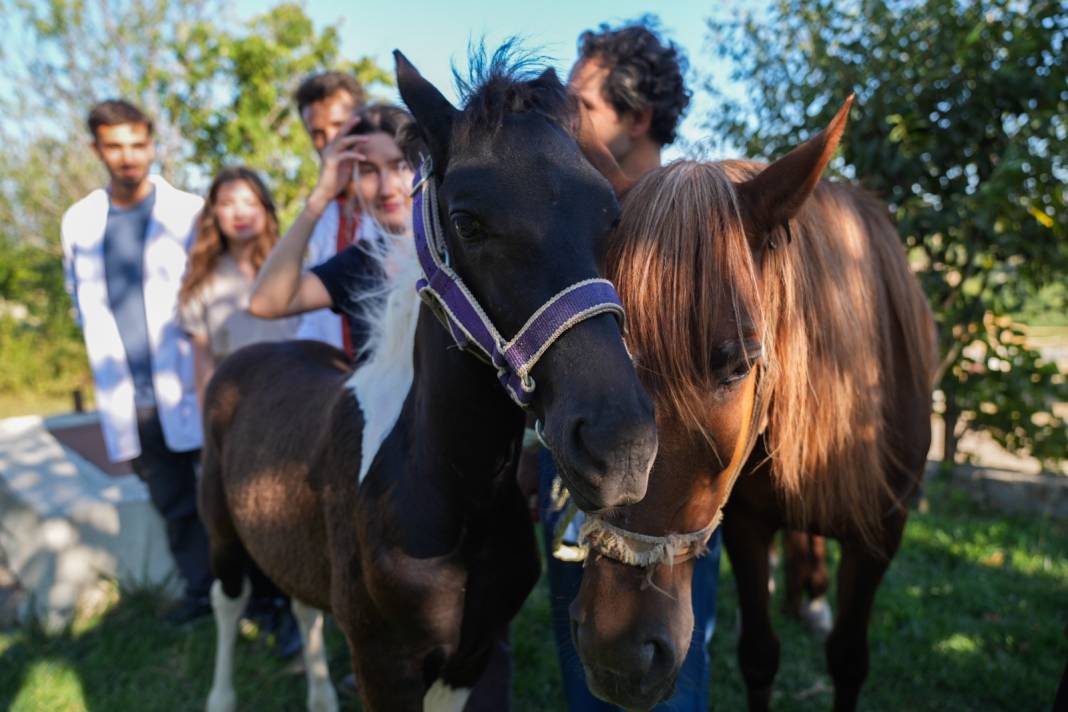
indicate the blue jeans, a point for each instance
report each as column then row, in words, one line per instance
column 691, row 694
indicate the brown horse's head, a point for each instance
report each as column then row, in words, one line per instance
column 689, row 262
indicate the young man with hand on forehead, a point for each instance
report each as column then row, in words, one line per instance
column 327, row 102
column 630, row 84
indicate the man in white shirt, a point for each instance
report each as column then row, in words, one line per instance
column 325, row 103
column 124, row 250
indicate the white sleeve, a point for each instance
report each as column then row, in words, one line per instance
column 70, row 278
column 322, row 245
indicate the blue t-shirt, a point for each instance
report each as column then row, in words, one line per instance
column 352, row 277
column 124, row 270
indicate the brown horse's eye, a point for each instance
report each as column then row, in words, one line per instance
column 737, row 374
column 744, row 364
column 466, row 226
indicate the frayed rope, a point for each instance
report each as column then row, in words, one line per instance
column 643, row 550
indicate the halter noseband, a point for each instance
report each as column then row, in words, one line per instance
column 646, row 550
column 452, row 302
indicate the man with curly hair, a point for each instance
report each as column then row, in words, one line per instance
column 631, row 84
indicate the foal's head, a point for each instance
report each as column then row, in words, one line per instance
column 689, row 266
column 525, row 217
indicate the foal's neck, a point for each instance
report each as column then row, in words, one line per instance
column 467, row 424
column 458, row 436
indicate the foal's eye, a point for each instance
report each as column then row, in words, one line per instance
column 466, row 226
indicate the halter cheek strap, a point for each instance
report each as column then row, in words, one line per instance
column 645, row 550
column 471, row 328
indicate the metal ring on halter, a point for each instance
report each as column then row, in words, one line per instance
column 538, row 430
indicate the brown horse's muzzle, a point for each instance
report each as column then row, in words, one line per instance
column 633, row 649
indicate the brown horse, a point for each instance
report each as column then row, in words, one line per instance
column 790, row 352
column 387, row 496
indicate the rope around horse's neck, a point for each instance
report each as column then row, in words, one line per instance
column 646, row 550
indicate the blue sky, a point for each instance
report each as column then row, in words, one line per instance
column 433, row 35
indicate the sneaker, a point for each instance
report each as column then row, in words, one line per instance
column 187, row 610
column 348, row 686
column 287, row 639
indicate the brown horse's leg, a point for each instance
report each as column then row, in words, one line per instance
column 860, row 572
column 806, row 574
column 747, row 539
column 796, row 570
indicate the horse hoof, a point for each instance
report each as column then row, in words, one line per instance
column 817, row 617
column 221, row 701
column 324, row 701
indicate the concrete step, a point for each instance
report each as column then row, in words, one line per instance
column 65, row 523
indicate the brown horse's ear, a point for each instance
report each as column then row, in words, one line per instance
column 775, row 195
column 433, row 113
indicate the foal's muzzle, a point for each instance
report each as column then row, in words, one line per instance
column 598, row 420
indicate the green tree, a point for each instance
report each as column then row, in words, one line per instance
column 219, row 90
column 961, row 124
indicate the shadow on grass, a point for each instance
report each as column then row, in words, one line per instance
column 129, row 659
column 970, row 616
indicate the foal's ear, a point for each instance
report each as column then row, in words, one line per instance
column 432, row 111
column 548, row 76
column 776, row 194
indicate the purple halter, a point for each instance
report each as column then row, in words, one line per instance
column 454, row 305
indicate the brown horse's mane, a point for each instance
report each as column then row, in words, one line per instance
column 840, row 316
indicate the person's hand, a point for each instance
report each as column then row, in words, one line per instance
column 338, row 161
column 598, row 154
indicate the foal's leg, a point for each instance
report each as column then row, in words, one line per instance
column 222, row 697
column 321, row 694
column 859, row 573
column 747, row 540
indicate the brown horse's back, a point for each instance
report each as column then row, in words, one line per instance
column 264, row 410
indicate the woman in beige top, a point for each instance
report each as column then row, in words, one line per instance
column 236, row 230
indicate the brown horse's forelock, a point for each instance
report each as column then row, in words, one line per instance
column 825, row 306
column 682, row 267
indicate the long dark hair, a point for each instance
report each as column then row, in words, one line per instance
column 210, row 243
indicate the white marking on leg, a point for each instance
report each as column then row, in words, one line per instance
column 817, row 616
column 222, row 697
column 321, row 694
column 442, row 698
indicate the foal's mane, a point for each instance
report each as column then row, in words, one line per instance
column 509, row 81
column 837, row 310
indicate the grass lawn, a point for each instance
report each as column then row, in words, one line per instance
column 970, row 617
column 33, row 404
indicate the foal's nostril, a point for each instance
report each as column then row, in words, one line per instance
column 586, row 447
